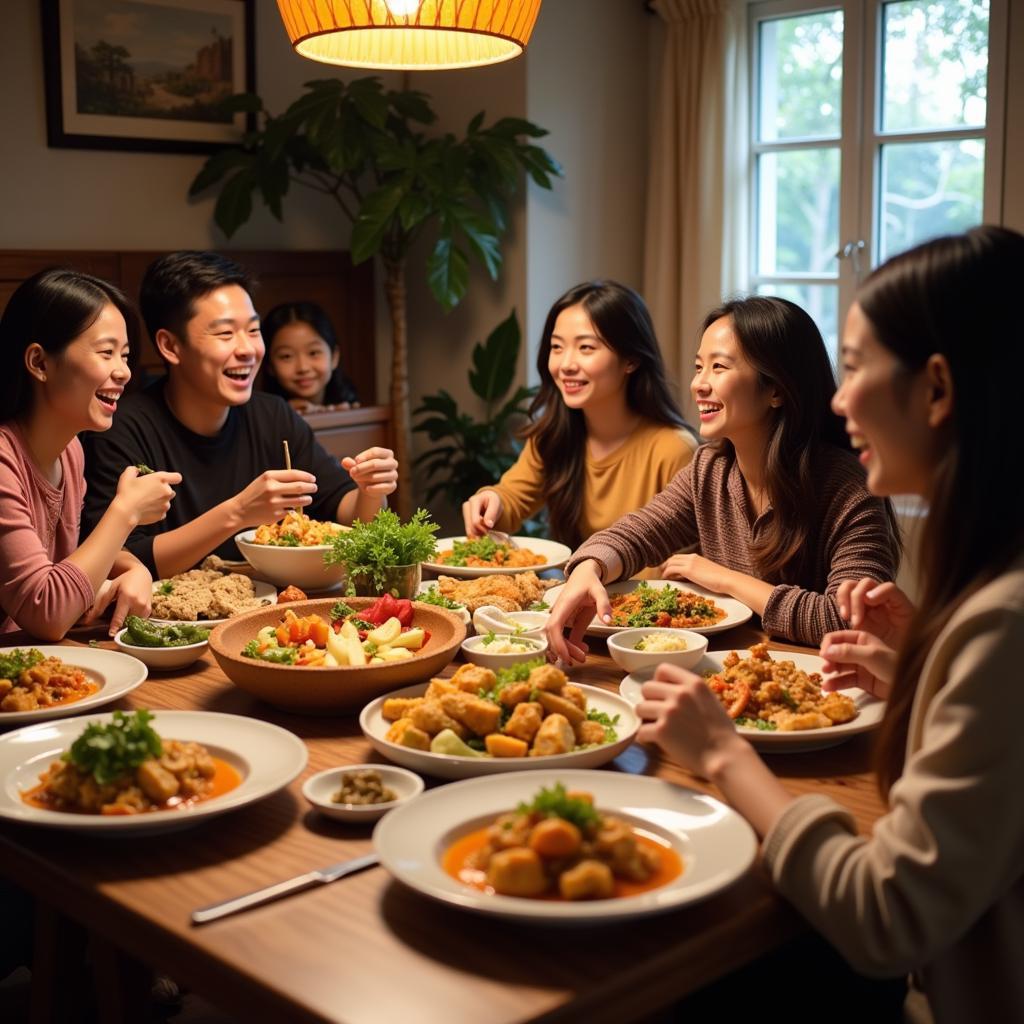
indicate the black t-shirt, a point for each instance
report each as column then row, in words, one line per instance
column 213, row 469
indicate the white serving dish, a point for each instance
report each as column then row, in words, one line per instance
column 475, row 649
column 555, row 556
column 319, row 788
column 299, row 567
column 622, row 648
column 163, row 658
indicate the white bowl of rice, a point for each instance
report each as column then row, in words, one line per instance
column 650, row 646
column 301, row 567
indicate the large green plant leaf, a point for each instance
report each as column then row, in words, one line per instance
column 447, row 272
column 374, row 220
column 494, row 362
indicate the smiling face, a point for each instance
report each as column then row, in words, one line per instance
column 585, row 368
column 80, row 386
column 732, row 402
column 302, row 361
column 216, row 364
column 892, row 417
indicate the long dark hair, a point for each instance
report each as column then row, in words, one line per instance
column 785, row 347
column 53, row 307
column 339, row 387
column 621, row 319
column 951, row 296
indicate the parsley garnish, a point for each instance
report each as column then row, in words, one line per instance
column 434, row 596
column 485, row 548
column 111, row 751
column 609, row 723
column 13, row 664
column 556, row 803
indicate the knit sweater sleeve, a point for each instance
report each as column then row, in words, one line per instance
column 858, row 544
column 649, row 535
column 36, row 592
column 521, row 490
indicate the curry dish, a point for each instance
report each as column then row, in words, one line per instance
column 32, row 682
column 664, row 606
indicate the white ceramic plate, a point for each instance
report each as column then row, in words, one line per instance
column 266, row 756
column 116, row 673
column 448, row 766
column 716, row 845
column 555, row 556
column 870, row 717
column 736, row 613
column 265, row 593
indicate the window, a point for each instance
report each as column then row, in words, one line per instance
column 876, row 125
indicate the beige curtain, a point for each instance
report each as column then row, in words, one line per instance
column 696, row 225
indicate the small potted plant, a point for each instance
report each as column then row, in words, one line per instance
column 383, row 556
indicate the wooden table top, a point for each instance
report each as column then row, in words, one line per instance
column 366, row 949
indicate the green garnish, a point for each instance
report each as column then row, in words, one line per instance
column 485, row 548
column 507, row 677
column 539, row 606
column 490, row 637
column 609, row 723
column 556, row 803
column 757, row 723
column 370, row 549
column 94, row 643
column 167, row 587
column 285, row 540
column 788, row 699
column 340, row 610
column 275, row 655
column 14, row 663
column 655, row 600
column 143, row 469
column 114, row 750
column 434, row 596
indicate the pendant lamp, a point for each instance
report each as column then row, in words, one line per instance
column 409, row 35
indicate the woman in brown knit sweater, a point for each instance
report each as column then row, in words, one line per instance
column 775, row 508
column 933, row 355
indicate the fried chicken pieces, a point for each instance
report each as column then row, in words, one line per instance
column 509, row 593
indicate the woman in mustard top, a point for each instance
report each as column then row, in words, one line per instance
column 606, row 434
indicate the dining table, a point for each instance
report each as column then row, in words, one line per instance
column 367, row 949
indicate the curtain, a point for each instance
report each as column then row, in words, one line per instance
column 695, row 242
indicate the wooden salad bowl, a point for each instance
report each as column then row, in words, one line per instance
column 321, row 690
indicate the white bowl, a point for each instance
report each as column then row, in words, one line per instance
column 475, row 650
column 317, row 789
column 490, row 618
column 622, row 648
column 299, row 567
column 162, row 657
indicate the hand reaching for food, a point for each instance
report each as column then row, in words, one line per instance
column 146, row 496
column 582, row 596
column 854, row 657
column 480, row 513
column 374, row 471
column 131, row 593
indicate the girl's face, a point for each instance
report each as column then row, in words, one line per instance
column 730, row 398
column 585, row 368
column 302, row 361
column 81, row 386
column 891, row 417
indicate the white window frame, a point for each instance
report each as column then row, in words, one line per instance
column 861, row 140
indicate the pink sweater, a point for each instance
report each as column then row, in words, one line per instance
column 38, row 530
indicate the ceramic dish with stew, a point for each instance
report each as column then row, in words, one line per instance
column 266, row 757
column 714, row 844
column 112, row 675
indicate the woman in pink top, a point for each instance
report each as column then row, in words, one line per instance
column 63, row 354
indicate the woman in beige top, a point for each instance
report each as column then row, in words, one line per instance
column 606, row 434
column 933, row 357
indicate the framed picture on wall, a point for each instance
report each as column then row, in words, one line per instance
column 146, row 74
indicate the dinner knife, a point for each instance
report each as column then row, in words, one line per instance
column 323, row 876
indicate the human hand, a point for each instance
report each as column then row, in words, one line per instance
column 854, row 657
column 271, row 495
column 131, row 593
column 682, row 716
column 374, row 471
column 879, row 608
column 480, row 513
column 695, row 568
column 145, row 498
column 582, row 596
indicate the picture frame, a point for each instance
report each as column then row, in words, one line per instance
column 146, row 75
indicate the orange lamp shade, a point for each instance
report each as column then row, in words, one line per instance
column 409, row 35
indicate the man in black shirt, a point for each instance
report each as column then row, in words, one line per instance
column 204, row 421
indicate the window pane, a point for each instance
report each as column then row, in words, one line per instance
column 798, row 211
column 821, row 301
column 801, row 77
column 935, row 64
column 929, row 189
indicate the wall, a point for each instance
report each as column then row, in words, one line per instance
column 587, row 83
